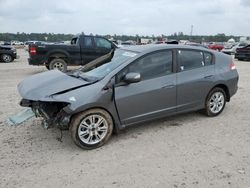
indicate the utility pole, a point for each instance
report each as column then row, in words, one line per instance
column 191, row 32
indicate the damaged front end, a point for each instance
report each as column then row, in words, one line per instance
column 53, row 113
column 46, row 93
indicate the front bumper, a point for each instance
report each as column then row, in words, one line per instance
column 53, row 114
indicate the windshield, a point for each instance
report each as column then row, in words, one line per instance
column 101, row 67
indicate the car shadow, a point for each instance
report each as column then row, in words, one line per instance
column 133, row 132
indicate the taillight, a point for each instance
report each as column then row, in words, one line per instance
column 232, row 66
column 32, row 50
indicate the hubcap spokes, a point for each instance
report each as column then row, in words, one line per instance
column 58, row 66
column 6, row 58
column 216, row 102
column 92, row 129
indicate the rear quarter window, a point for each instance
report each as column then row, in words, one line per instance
column 208, row 58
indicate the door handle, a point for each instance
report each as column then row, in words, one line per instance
column 209, row 76
column 168, row 86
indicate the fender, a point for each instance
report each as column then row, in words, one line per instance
column 111, row 109
column 57, row 53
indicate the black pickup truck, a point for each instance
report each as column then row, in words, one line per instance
column 82, row 50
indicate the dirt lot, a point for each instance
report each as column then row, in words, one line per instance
column 188, row 150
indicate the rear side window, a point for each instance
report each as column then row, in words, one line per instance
column 102, row 43
column 87, row 42
column 190, row 59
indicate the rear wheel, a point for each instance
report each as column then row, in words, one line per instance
column 91, row 129
column 59, row 64
column 215, row 102
column 6, row 58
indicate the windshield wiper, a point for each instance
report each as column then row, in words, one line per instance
column 75, row 74
column 79, row 74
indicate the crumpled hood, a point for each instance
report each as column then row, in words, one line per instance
column 42, row 85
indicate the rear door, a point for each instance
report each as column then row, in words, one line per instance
column 154, row 96
column 74, row 51
column 103, row 46
column 88, row 51
column 194, row 78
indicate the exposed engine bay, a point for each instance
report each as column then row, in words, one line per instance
column 53, row 113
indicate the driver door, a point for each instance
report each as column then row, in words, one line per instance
column 154, row 96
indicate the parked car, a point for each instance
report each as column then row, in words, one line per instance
column 7, row 54
column 16, row 43
column 81, row 51
column 231, row 49
column 196, row 44
column 243, row 53
column 167, row 42
column 6, row 43
column 217, row 47
column 130, row 86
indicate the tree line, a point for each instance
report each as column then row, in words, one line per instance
column 51, row 37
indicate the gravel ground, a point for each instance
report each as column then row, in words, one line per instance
column 188, row 150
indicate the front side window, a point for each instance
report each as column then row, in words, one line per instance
column 74, row 41
column 190, row 59
column 150, row 66
column 102, row 43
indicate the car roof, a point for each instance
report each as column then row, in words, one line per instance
column 154, row 47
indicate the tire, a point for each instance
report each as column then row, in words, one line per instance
column 84, row 128
column 6, row 58
column 59, row 64
column 215, row 102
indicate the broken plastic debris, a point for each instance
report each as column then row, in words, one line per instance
column 20, row 117
column 241, row 171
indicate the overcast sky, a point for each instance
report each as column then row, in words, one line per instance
column 143, row 17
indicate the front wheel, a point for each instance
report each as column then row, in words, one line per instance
column 215, row 102
column 91, row 129
column 6, row 58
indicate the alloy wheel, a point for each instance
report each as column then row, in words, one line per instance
column 92, row 129
column 216, row 102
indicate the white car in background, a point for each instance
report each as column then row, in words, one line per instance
column 231, row 49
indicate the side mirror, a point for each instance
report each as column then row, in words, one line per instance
column 132, row 77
